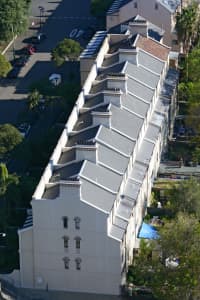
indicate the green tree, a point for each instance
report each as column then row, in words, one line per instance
column 184, row 197
column 191, row 66
column 67, row 49
column 6, row 179
column 179, row 239
column 3, row 173
column 5, row 66
column 187, row 25
column 9, row 138
column 13, row 17
column 33, row 98
column 192, row 120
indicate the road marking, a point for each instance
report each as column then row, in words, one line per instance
column 73, row 33
column 80, row 32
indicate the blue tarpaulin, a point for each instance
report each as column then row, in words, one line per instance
column 148, row 232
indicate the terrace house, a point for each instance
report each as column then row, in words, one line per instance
column 162, row 13
column 89, row 205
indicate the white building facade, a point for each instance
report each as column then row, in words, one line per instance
column 90, row 202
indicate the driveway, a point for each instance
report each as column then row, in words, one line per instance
column 59, row 20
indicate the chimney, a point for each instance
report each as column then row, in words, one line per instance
column 138, row 27
column 113, row 97
column 117, row 82
column 102, row 118
column 86, row 151
column 130, row 55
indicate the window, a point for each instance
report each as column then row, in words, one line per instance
column 77, row 221
column 78, row 242
column 66, row 241
column 66, row 262
column 135, row 5
column 156, row 5
column 65, row 222
column 78, row 263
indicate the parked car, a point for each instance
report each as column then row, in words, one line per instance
column 14, row 72
column 38, row 38
column 24, row 129
column 20, row 61
column 29, row 50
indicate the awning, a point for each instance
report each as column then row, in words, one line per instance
column 148, row 232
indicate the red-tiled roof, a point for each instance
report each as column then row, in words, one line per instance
column 153, row 47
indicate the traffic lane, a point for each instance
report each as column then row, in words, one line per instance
column 10, row 110
column 38, row 71
column 35, row 74
column 65, row 17
column 57, row 30
column 61, row 8
column 78, row 8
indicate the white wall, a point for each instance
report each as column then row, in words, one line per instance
column 26, row 257
column 100, row 266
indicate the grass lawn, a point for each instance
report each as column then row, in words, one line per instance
column 3, row 45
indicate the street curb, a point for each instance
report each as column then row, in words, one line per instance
column 8, row 46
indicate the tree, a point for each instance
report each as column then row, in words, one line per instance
column 66, row 50
column 13, row 17
column 185, row 196
column 33, row 98
column 191, row 66
column 187, row 25
column 5, row 66
column 6, row 179
column 3, row 173
column 179, row 239
column 9, row 138
column 192, row 120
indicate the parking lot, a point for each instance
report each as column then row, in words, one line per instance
column 59, row 20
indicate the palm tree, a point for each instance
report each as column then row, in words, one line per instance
column 33, row 98
column 187, row 24
column 3, row 173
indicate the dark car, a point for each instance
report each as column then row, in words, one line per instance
column 28, row 50
column 14, row 72
column 38, row 38
column 20, row 61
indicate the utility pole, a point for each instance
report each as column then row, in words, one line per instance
column 13, row 36
column 41, row 8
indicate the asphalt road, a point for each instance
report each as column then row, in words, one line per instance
column 59, row 20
